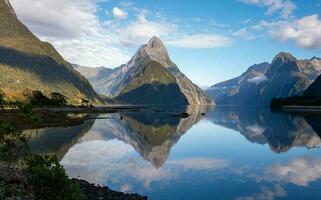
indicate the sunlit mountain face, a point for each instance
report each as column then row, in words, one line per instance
column 222, row 153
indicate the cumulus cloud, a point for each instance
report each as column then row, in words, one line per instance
column 119, row 13
column 142, row 29
column 59, row 18
column 244, row 33
column 257, row 79
column 200, row 41
column 285, row 7
column 305, row 32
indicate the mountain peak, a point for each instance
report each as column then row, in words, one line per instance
column 284, row 57
column 155, row 50
column 315, row 58
column 155, row 42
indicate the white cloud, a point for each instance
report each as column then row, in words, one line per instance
column 59, row 18
column 285, row 7
column 244, row 34
column 141, row 30
column 257, row 79
column 119, row 13
column 200, row 41
column 305, row 32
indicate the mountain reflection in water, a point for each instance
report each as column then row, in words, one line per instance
column 281, row 131
column 230, row 153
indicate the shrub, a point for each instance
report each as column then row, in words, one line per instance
column 49, row 180
column 58, row 99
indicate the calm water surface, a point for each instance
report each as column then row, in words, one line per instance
column 230, row 153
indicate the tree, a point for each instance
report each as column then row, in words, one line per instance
column 58, row 99
column 49, row 179
column 39, row 99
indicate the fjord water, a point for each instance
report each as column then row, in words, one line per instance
column 230, row 153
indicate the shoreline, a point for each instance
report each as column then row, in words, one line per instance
column 16, row 181
column 303, row 108
column 97, row 192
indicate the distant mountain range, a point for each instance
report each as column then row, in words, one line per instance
column 285, row 76
column 150, row 77
column 26, row 63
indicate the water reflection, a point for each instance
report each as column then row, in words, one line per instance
column 224, row 155
column 281, row 131
column 56, row 140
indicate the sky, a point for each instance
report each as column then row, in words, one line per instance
column 210, row 40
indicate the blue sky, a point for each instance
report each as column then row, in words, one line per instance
column 210, row 40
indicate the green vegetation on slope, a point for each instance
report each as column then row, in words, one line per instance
column 28, row 63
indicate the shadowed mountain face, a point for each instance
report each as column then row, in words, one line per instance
column 243, row 86
column 280, row 130
column 150, row 71
column 28, row 63
column 286, row 76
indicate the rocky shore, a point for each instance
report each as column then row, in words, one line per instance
column 96, row 192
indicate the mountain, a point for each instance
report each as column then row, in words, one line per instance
column 227, row 92
column 150, row 73
column 96, row 76
column 286, row 76
column 28, row 63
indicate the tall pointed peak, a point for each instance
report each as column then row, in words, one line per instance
column 284, row 57
column 155, row 42
column 154, row 50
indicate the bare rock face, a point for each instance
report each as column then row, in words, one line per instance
column 151, row 71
